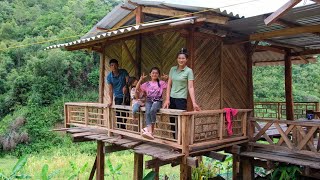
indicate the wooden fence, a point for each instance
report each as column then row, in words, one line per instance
column 175, row 128
column 277, row 110
column 305, row 142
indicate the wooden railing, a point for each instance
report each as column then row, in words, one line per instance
column 299, row 136
column 277, row 110
column 175, row 128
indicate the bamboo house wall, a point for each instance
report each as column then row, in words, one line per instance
column 220, row 70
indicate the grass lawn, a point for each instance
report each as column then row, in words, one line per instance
column 58, row 159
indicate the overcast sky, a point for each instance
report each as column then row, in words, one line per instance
column 252, row 8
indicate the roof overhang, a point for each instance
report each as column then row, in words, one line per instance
column 106, row 37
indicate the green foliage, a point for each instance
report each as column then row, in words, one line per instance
column 150, row 176
column 16, row 171
column 203, row 172
column 45, row 175
column 76, row 171
column 269, row 83
column 285, row 172
column 37, row 81
column 114, row 172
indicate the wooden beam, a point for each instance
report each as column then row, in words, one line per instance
column 306, row 52
column 215, row 155
column 177, row 13
column 132, row 60
column 139, row 15
column 278, row 13
column 281, row 62
column 138, row 166
column 303, row 59
column 193, row 162
column 291, row 24
column 270, row 48
column 125, row 20
column 157, row 162
column 284, row 45
column 285, row 32
column 164, row 12
column 126, row 8
column 114, row 148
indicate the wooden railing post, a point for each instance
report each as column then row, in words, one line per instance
column 317, row 106
column 66, row 116
column 109, row 120
column 244, row 123
column 185, row 170
column 86, row 115
column 221, row 126
column 279, row 110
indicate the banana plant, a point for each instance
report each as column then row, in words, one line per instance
column 15, row 173
column 76, row 171
column 45, row 175
column 114, row 172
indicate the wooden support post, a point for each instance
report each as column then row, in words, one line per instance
column 138, row 166
column 185, row 170
column 250, row 50
column 247, row 168
column 139, row 20
column 156, row 170
column 102, row 74
column 235, row 166
column 190, row 62
column 288, row 87
column 139, row 15
column 100, row 160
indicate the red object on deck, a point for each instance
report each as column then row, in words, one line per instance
column 229, row 112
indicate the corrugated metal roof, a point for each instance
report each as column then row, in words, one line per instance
column 119, row 13
column 187, row 20
column 305, row 15
column 301, row 16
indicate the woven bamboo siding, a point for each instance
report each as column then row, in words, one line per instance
column 234, row 77
column 116, row 51
column 207, row 72
column 161, row 51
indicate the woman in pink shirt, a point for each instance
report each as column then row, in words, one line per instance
column 154, row 89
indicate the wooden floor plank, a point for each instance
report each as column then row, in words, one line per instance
column 283, row 157
column 82, row 134
column 132, row 144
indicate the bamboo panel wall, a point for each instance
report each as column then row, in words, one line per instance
column 207, row 73
column 116, row 51
column 234, row 77
column 161, row 51
column 218, row 75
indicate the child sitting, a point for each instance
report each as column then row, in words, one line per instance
column 153, row 89
column 137, row 96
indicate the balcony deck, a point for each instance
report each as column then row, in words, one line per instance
column 194, row 131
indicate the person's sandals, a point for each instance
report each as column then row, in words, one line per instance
column 146, row 134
